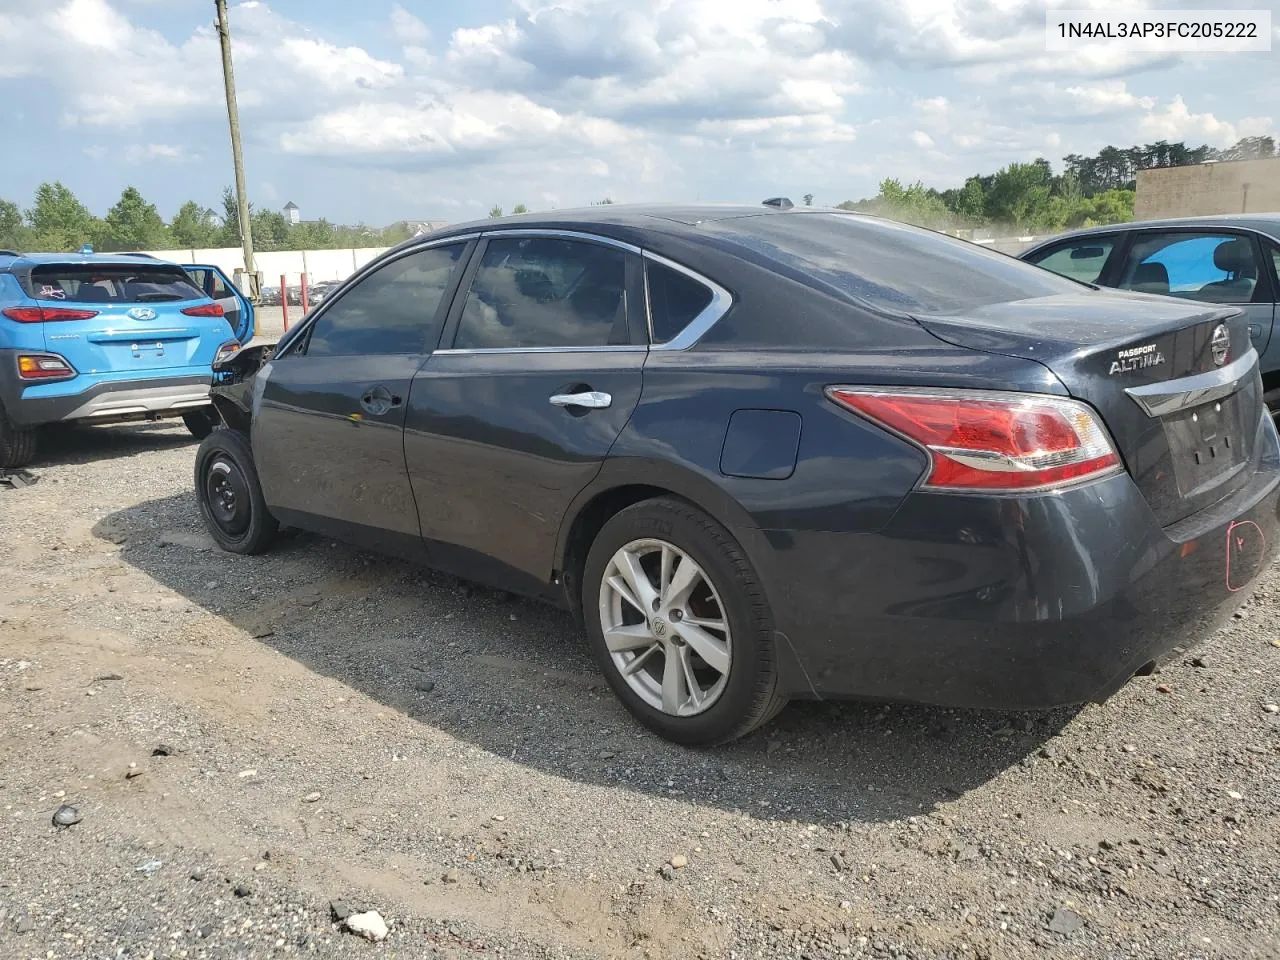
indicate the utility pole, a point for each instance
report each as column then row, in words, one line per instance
column 233, row 118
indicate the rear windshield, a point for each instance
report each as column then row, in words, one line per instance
column 893, row 266
column 90, row 283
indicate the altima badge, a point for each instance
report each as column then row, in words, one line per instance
column 1136, row 358
column 1220, row 344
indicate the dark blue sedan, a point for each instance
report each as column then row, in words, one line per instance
column 770, row 454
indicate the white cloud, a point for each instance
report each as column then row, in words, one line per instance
column 140, row 153
column 467, row 122
column 407, row 28
column 1177, row 122
column 922, row 140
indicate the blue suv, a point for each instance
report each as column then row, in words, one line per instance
column 104, row 338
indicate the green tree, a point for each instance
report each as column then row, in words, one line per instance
column 230, row 233
column 313, row 235
column 133, row 224
column 915, row 203
column 519, row 208
column 808, row 199
column 59, row 221
column 495, row 211
column 601, row 203
column 1019, row 194
column 13, row 235
column 270, row 230
column 192, row 227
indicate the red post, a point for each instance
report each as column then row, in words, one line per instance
column 305, row 306
column 284, row 299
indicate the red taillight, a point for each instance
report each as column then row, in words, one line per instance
column 46, row 314
column 43, row 366
column 203, row 310
column 984, row 440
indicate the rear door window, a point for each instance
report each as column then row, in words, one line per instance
column 1081, row 259
column 90, row 283
column 546, row 292
column 1211, row 267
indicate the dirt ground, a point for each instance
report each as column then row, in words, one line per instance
column 247, row 740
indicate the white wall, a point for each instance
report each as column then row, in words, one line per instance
column 317, row 264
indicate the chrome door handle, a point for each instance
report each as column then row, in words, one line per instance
column 590, row 399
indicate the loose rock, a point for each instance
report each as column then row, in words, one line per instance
column 679, row 861
column 66, row 816
column 1065, row 922
column 369, row 925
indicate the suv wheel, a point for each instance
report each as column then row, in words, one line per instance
column 17, row 445
column 679, row 624
column 230, row 496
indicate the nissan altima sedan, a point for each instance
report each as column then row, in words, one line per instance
column 770, row 454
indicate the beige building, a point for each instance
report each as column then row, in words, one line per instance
column 1203, row 189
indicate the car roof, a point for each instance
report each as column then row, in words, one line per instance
column 20, row 261
column 607, row 218
column 1266, row 222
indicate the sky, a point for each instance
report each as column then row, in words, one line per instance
column 376, row 111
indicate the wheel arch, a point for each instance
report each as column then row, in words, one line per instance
column 622, row 483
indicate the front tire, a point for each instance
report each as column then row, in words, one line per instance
column 201, row 422
column 679, row 624
column 17, row 445
column 230, row 495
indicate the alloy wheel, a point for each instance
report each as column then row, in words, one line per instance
column 665, row 628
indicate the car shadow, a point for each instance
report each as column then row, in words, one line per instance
column 514, row 677
column 75, row 443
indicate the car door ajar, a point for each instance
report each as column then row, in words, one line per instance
column 328, row 429
column 542, row 371
column 1207, row 265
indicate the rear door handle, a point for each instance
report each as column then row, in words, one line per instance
column 588, row 399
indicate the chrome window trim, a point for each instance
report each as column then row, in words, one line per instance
column 721, row 301
column 295, row 334
column 1170, row 396
column 562, row 235
column 462, row 351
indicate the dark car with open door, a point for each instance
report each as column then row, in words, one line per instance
column 1230, row 260
column 767, row 454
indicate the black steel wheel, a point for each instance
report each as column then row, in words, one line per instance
column 230, row 496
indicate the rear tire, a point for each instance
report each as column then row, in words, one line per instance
column 17, row 444
column 659, row 675
column 202, row 422
column 230, row 495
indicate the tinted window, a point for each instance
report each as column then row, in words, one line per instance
column 674, row 300
column 1081, row 260
column 90, row 283
column 890, row 265
column 1219, row 268
column 392, row 310
column 546, row 292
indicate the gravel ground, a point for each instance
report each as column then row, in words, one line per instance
column 246, row 740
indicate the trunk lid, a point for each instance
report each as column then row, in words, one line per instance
column 1182, row 398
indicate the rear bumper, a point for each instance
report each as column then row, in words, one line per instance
column 1015, row 603
column 100, row 399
